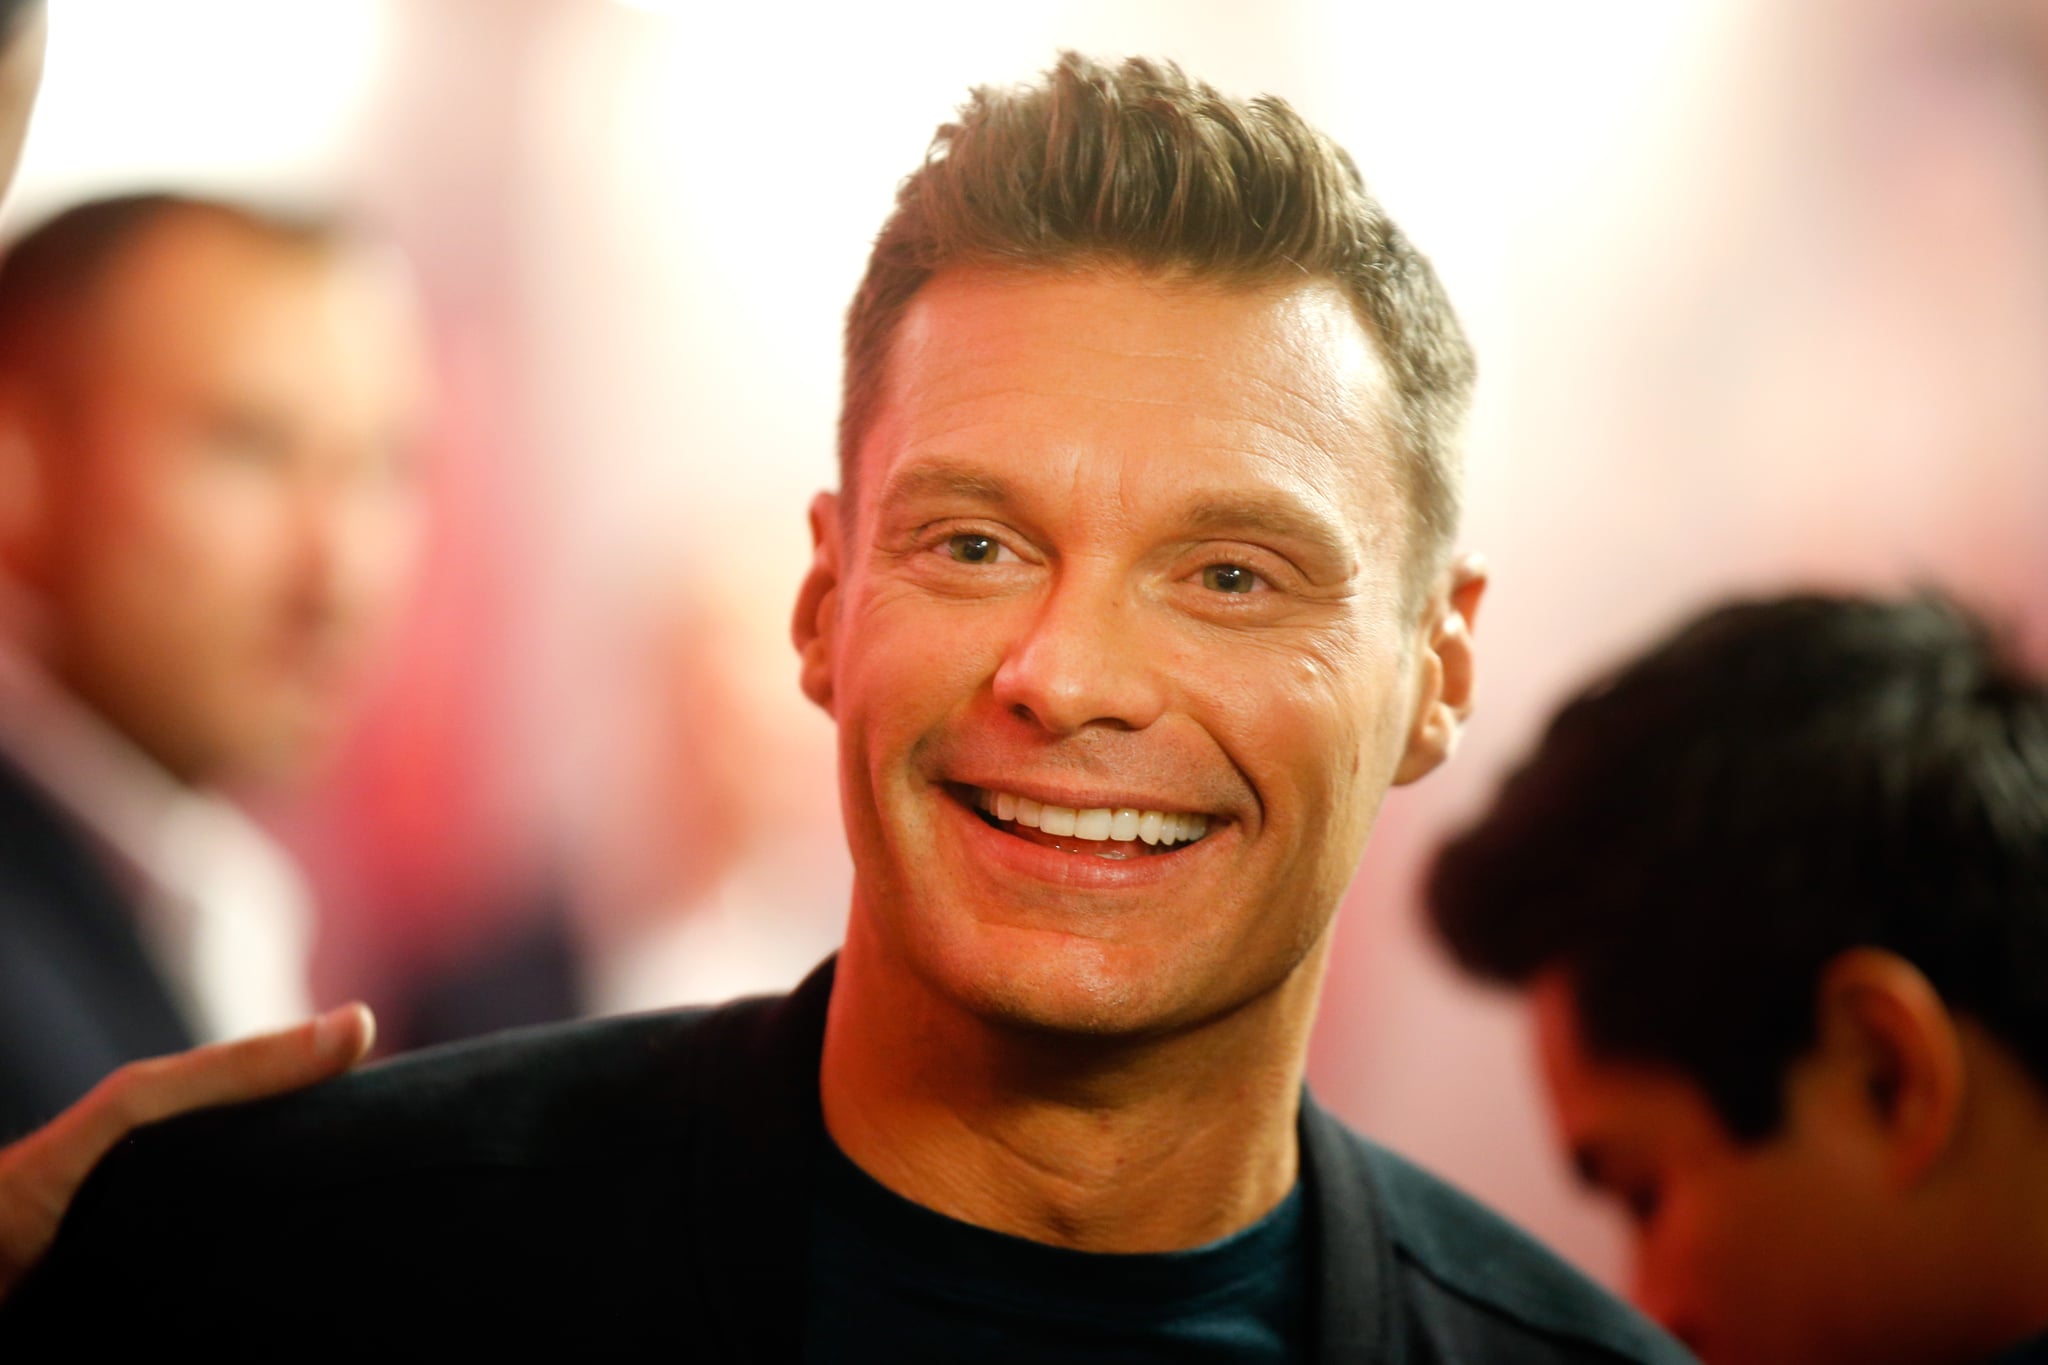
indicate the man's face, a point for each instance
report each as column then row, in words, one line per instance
column 229, row 512
column 1133, row 550
column 1777, row 1250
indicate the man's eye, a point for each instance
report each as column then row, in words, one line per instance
column 974, row 549
column 1229, row 578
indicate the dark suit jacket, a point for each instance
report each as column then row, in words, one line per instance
column 78, row 996
column 644, row 1185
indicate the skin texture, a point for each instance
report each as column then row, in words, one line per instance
column 214, row 505
column 1894, row 1218
column 1067, row 473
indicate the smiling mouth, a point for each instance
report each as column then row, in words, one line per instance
column 1099, row 831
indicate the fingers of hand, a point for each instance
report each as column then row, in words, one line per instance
column 246, row 1069
column 59, row 1155
column 40, row 1173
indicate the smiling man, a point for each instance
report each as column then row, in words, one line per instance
column 1137, row 596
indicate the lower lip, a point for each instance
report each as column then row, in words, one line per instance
column 1027, row 859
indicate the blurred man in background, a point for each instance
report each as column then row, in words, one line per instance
column 40, row 1172
column 207, row 515
column 1780, row 889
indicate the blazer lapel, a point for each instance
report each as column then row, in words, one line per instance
column 1356, row 1311
column 82, row 996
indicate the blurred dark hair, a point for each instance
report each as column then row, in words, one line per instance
column 51, row 273
column 1139, row 165
column 1701, row 832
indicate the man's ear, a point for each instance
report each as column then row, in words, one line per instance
column 817, row 603
column 1445, row 664
column 1888, row 1037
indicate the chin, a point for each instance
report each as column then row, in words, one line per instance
column 279, row 756
column 1068, row 985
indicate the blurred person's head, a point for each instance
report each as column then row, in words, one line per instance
column 1780, row 886
column 21, row 71
column 1136, row 599
column 206, row 487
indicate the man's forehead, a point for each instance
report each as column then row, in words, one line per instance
column 994, row 371
column 1302, row 334
column 192, row 280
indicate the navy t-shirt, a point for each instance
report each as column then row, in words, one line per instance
column 894, row 1281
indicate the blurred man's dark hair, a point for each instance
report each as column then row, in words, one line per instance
column 1776, row 783
column 1796, row 833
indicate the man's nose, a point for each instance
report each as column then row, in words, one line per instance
column 1084, row 660
column 352, row 538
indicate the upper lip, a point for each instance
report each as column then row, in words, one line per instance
column 1051, row 794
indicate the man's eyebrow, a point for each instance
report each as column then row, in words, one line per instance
column 1273, row 514
column 1232, row 512
column 942, row 479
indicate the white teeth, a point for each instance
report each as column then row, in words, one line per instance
column 1095, row 823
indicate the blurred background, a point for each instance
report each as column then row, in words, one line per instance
column 1760, row 294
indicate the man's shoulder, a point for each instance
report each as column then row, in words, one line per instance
column 1460, row 1282
column 535, row 1181
column 1469, row 1262
column 559, row 1094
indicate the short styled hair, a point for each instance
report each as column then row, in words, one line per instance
column 1137, row 165
column 1699, row 834
column 50, row 275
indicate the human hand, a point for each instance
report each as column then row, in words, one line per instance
column 41, row 1172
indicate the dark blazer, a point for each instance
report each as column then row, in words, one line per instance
column 644, row 1185
column 78, row 996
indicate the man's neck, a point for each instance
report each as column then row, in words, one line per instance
column 1097, row 1144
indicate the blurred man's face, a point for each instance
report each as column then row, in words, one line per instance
column 21, row 71
column 1760, row 1252
column 229, row 511
column 1117, row 644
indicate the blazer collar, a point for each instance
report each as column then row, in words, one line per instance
column 1356, row 1309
